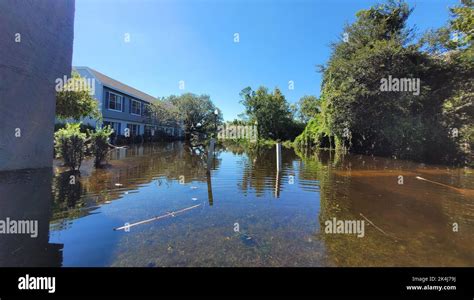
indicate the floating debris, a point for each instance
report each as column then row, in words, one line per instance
column 194, row 199
column 118, row 184
column 194, row 187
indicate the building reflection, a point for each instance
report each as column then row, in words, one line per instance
column 129, row 168
column 416, row 216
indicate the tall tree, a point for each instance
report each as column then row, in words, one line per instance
column 453, row 43
column 357, row 112
column 271, row 111
column 309, row 106
column 196, row 112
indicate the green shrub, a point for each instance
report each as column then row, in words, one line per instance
column 69, row 144
column 83, row 127
column 100, row 144
column 315, row 135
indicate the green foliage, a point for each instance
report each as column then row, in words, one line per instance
column 100, row 143
column 74, row 100
column 357, row 114
column 271, row 112
column 69, row 143
column 163, row 111
column 463, row 23
column 309, row 106
column 453, row 44
column 239, row 122
column 196, row 112
column 84, row 128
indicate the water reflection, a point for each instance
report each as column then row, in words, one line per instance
column 416, row 216
column 280, row 215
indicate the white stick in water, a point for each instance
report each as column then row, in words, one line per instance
column 173, row 213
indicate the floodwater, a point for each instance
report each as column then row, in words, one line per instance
column 241, row 213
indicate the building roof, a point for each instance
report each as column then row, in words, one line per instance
column 122, row 87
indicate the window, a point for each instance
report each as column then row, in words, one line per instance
column 114, row 125
column 115, row 101
column 136, row 107
column 134, row 129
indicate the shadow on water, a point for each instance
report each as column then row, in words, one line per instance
column 248, row 215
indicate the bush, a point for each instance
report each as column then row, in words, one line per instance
column 100, row 144
column 69, row 144
column 84, row 128
column 315, row 135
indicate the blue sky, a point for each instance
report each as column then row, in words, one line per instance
column 193, row 41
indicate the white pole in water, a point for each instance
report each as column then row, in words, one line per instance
column 278, row 156
column 210, row 154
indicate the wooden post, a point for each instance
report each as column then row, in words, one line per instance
column 278, row 156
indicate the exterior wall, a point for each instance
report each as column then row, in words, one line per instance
column 123, row 125
column 28, row 70
column 125, row 115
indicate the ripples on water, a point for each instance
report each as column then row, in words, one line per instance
column 280, row 215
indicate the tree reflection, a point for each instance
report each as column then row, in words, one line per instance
column 414, row 217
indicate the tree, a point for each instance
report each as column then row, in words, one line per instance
column 309, row 106
column 454, row 44
column 162, row 111
column 359, row 114
column 196, row 112
column 271, row 112
column 74, row 101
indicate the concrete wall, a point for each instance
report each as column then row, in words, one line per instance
column 28, row 69
column 27, row 195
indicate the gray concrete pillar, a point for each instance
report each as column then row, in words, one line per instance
column 36, row 39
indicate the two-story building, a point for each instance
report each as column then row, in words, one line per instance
column 123, row 106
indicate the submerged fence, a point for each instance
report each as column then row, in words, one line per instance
column 232, row 132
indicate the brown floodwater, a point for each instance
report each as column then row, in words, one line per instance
column 241, row 213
